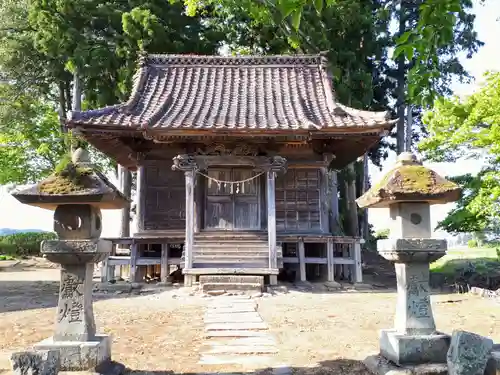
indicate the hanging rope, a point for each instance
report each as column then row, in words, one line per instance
column 240, row 185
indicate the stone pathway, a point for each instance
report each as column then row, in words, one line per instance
column 235, row 333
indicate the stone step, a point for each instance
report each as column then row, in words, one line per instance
column 255, row 341
column 231, row 279
column 233, row 318
column 236, row 333
column 242, row 349
column 258, row 326
column 207, row 359
column 233, row 309
column 257, row 287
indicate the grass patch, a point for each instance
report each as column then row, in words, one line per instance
column 458, row 257
column 474, row 267
column 6, row 257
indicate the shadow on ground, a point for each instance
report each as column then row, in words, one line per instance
column 28, row 295
column 339, row 366
column 332, row 367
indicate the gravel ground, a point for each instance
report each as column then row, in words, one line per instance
column 159, row 333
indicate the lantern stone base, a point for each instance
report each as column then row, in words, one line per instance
column 413, row 349
column 379, row 365
column 80, row 355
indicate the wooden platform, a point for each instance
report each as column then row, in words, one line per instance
column 218, row 253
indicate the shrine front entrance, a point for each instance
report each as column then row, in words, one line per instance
column 233, row 199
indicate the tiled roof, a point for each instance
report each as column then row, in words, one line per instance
column 240, row 93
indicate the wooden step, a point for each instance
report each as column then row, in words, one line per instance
column 224, row 253
column 230, row 259
column 231, row 271
column 231, row 244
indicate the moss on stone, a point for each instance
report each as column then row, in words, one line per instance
column 67, row 178
column 414, row 179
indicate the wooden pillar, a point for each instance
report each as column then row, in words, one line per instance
column 329, row 257
column 271, row 224
column 334, row 204
column 134, row 254
column 357, row 271
column 271, row 219
column 324, row 204
column 302, row 260
column 187, row 164
column 140, row 198
column 164, row 269
column 189, row 240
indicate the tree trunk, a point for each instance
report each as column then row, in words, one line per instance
column 77, row 93
column 409, row 124
column 62, row 107
column 401, row 83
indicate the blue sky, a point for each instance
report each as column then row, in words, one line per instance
column 16, row 215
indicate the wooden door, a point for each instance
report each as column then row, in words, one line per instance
column 232, row 208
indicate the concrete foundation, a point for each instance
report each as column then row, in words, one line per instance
column 79, row 355
column 413, row 349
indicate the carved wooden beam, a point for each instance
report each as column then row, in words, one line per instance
column 187, row 162
column 184, row 162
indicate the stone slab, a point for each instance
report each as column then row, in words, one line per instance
column 235, row 326
column 231, row 302
column 79, row 355
column 41, row 362
column 232, row 310
column 255, row 341
column 406, row 349
column 233, row 318
column 236, row 333
column 379, row 365
column 469, row 353
column 229, row 287
column 207, row 359
column 232, row 279
column 412, row 244
column 242, row 349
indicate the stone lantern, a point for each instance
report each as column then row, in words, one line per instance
column 77, row 193
column 408, row 190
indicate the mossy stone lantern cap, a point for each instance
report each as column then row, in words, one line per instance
column 409, row 189
column 77, row 192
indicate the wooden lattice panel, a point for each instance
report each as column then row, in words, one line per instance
column 298, row 201
column 165, row 197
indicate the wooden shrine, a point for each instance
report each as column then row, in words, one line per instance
column 232, row 157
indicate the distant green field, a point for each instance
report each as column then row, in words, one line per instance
column 481, row 258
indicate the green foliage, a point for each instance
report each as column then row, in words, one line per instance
column 23, row 244
column 382, row 234
column 469, row 128
column 31, row 140
column 43, row 43
column 471, row 244
column 436, row 31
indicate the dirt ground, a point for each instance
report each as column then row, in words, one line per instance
column 157, row 333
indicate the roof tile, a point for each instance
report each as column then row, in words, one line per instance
column 243, row 93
